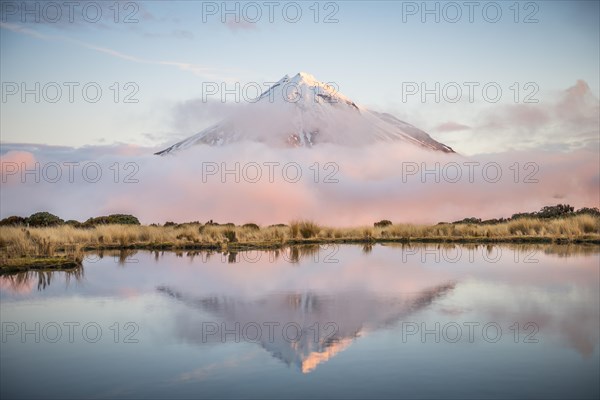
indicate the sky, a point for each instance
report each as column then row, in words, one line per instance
column 124, row 79
column 370, row 50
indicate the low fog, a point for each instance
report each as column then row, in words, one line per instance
column 331, row 184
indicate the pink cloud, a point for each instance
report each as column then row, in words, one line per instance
column 373, row 182
column 13, row 163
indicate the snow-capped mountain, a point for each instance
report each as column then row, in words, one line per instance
column 301, row 111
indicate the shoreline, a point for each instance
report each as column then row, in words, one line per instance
column 237, row 246
column 66, row 262
column 25, row 264
column 63, row 246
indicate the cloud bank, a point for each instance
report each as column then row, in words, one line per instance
column 251, row 182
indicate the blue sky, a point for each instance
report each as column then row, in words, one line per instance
column 370, row 52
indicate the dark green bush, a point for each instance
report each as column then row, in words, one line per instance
column 74, row 223
column 557, row 211
column 251, row 226
column 120, row 219
column 44, row 219
column 589, row 211
column 13, row 221
column 382, row 224
column 471, row 220
column 523, row 215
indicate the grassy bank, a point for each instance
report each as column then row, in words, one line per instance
column 27, row 263
column 63, row 246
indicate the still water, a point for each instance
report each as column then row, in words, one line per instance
column 383, row 321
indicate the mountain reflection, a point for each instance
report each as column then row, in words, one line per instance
column 328, row 323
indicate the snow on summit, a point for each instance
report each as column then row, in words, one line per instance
column 302, row 111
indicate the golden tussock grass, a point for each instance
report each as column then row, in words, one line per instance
column 70, row 241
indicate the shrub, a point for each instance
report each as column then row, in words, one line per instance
column 44, row 219
column 471, row 220
column 118, row 219
column 251, row 226
column 382, row 224
column 96, row 221
column 169, row 223
column 523, row 215
column 559, row 210
column 74, row 223
column 13, row 221
column 123, row 219
column 594, row 212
